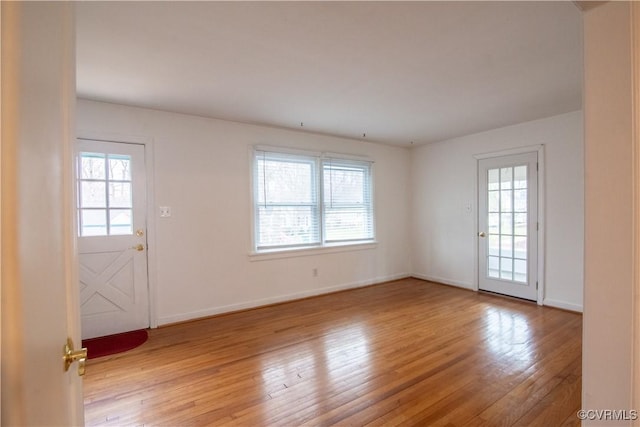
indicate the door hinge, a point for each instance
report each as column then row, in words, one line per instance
column 536, row 285
column 537, row 166
column 537, row 226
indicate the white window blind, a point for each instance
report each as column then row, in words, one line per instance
column 348, row 211
column 286, row 200
column 307, row 200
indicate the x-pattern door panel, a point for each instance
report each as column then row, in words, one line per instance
column 113, row 282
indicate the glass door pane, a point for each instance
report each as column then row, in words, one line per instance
column 105, row 199
column 507, row 223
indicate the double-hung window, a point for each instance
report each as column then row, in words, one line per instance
column 310, row 200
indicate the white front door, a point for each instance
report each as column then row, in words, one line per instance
column 112, row 242
column 508, row 222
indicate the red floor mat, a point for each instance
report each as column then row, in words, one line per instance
column 112, row 344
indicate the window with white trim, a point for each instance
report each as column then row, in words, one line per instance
column 310, row 200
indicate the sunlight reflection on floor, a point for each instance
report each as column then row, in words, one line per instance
column 330, row 363
column 508, row 335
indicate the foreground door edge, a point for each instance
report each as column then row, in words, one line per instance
column 39, row 290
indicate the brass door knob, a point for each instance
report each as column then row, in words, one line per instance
column 70, row 355
column 139, row 247
column 482, row 234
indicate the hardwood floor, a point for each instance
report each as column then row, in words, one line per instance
column 407, row 352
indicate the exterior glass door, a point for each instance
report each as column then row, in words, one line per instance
column 507, row 221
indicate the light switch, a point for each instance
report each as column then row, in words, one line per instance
column 165, row 211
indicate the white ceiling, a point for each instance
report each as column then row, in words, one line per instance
column 399, row 72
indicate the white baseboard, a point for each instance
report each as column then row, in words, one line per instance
column 182, row 317
column 444, row 281
column 563, row 305
column 547, row 301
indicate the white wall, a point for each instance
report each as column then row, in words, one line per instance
column 202, row 171
column 609, row 148
column 444, row 182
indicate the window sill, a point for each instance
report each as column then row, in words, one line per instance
column 316, row 250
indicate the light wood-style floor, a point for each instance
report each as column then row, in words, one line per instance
column 407, row 352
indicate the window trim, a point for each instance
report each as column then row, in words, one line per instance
column 323, row 246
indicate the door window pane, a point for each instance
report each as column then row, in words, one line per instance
column 520, row 176
column 104, row 189
column 520, row 224
column 506, row 178
column 506, row 268
column 119, row 167
column 493, row 267
column 520, row 200
column 120, row 221
column 120, row 195
column 494, row 223
column 505, row 200
column 494, row 201
column 520, row 270
column 494, row 179
column 494, row 245
column 93, row 222
column 93, row 194
column 507, row 223
column 520, row 247
column 92, row 166
column 505, row 246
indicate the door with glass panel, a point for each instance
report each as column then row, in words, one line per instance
column 507, row 225
column 112, row 242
